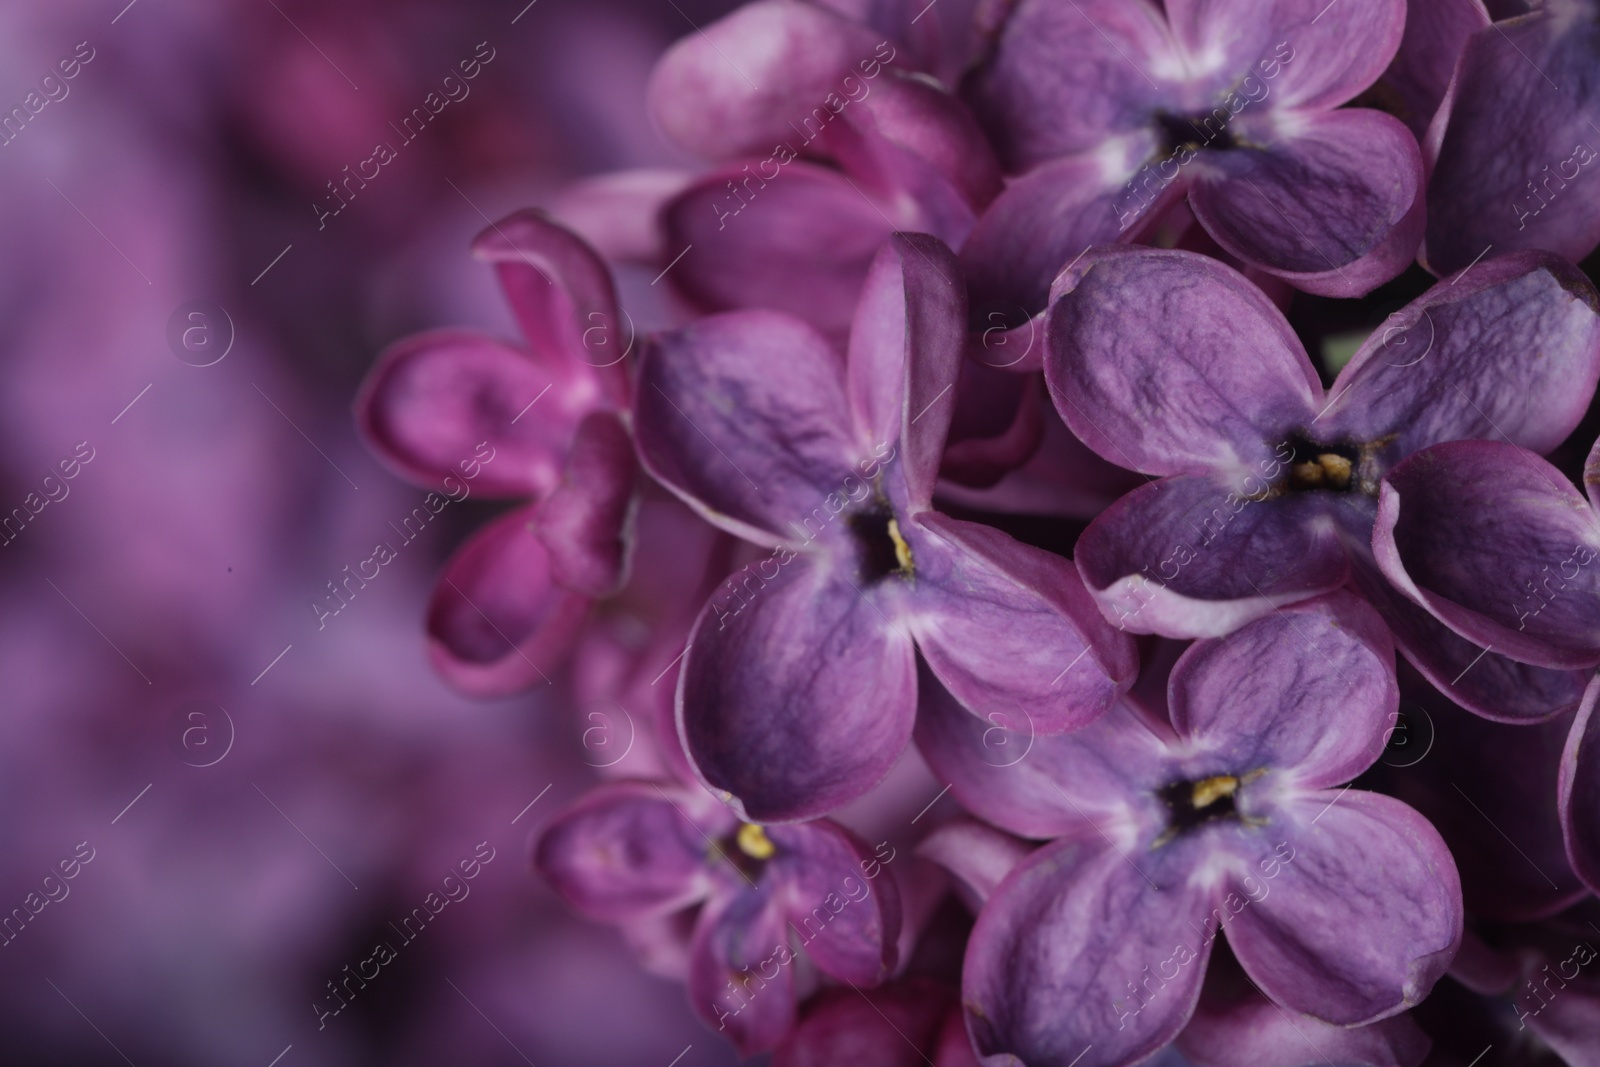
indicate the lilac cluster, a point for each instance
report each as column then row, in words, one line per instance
column 1055, row 428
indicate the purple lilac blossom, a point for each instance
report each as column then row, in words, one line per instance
column 1263, row 486
column 1108, row 112
column 798, row 690
column 1226, row 815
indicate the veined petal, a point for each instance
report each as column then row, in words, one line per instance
column 799, row 701
column 1168, row 362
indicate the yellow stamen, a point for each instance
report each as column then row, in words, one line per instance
column 753, row 842
column 902, row 551
column 1208, row 791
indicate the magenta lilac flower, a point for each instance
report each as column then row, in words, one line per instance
column 534, row 422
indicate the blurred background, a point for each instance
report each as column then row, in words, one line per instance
column 261, row 798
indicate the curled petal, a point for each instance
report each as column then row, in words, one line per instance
column 1168, row 362
column 905, row 352
column 1309, row 690
column 562, row 295
column 1421, row 72
column 619, row 214
column 583, row 523
column 1479, row 679
column 497, row 622
column 1579, row 788
column 847, row 922
column 625, row 851
column 1497, row 545
column 1184, row 557
column 799, row 701
column 1332, row 202
column 436, row 402
column 742, row 971
column 1362, row 920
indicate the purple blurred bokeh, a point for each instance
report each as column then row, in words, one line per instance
column 266, row 796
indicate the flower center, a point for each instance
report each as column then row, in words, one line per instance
column 754, row 842
column 882, row 550
column 1191, row 805
column 748, row 848
column 1319, row 466
column 1194, row 132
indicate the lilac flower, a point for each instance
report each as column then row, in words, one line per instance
column 451, row 404
column 829, row 140
column 633, row 850
column 798, row 689
column 1111, row 111
column 1264, row 488
column 1515, row 148
column 1340, row 904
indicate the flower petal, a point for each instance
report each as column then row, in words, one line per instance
column 1038, row 787
column 1309, row 691
column 799, row 242
column 1495, row 543
column 1331, row 201
column 624, row 851
column 1168, row 362
column 1364, row 918
column 977, row 854
column 1184, row 557
column 583, row 523
column 496, row 620
column 1303, row 60
column 1062, row 78
column 743, row 415
column 1008, row 627
column 561, row 293
column 741, row 971
column 734, row 86
column 1048, row 217
column 1421, row 72
column 906, row 346
column 895, row 1026
column 1579, row 790
column 799, row 701
column 1484, row 682
column 1516, row 146
column 847, row 922
column 1246, row 1029
column 435, row 400
column 1445, row 366
column 1079, row 955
